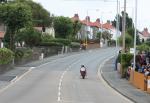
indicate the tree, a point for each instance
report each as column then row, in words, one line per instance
column 30, row 36
column 15, row 16
column 128, row 40
column 63, row 27
column 76, row 27
column 40, row 16
column 106, row 35
column 129, row 21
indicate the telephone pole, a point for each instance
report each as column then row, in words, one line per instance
column 124, row 27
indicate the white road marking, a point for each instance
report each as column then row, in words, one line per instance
column 105, row 83
column 15, row 80
column 61, row 80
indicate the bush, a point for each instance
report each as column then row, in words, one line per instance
column 125, row 62
column 6, row 56
column 111, row 42
column 75, row 45
column 23, row 53
column 57, row 41
column 143, row 47
column 50, row 44
column 128, row 41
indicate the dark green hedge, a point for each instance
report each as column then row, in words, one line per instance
column 6, row 56
column 55, row 41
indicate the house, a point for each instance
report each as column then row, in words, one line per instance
column 144, row 35
column 2, row 33
column 46, row 30
column 90, row 29
column 111, row 29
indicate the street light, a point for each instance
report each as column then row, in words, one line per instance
column 135, row 31
column 118, row 11
column 124, row 26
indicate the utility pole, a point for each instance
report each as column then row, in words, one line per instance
column 124, row 26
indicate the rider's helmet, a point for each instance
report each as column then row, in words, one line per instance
column 82, row 65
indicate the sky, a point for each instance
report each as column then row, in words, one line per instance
column 103, row 9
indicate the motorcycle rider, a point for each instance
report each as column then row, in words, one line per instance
column 83, row 70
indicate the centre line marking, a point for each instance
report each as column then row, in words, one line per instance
column 61, row 79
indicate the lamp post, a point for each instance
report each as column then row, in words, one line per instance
column 135, row 31
column 117, row 21
column 123, row 27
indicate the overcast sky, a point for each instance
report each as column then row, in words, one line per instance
column 98, row 9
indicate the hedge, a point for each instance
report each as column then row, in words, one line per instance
column 125, row 62
column 6, row 56
column 57, row 41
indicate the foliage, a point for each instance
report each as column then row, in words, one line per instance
column 76, row 27
column 129, row 21
column 55, row 41
column 125, row 62
column 147, row 42
column 75, row 45
column 6, row 56
column 128, row 41
column 106, row 35
column 40, row 16
column 99, row 35
column 50, row 44
column 63, row 27
column 15, row 16
column 23, row 53
column 143, row 47
column 46, row 38
column 111, row 42
column 30, row 36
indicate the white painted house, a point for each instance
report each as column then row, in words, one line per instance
column 144, row 35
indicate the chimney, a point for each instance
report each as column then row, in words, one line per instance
column 76, row 15
column 87, row 18
column 98, row 20
column 145, row 29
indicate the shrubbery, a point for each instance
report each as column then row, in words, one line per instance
column 143, row 47
column 55, row 41
column 6, row 56
column 125, row 62
column 23, row 53
column 75, row 45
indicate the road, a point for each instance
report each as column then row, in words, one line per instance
column 59, row 81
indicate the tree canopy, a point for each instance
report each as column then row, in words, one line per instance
column 129, row 21
column 63, row 27
column 15, row 16
column 40, row 16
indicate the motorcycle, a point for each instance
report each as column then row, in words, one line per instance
column 83, row 74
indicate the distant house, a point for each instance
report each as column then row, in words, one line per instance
column 2, row 33
column 144, row 35
column 90, row 29
column 46, row 30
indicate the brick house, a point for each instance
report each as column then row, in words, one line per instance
column 144, row 35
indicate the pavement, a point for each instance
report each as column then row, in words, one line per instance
column 123, row 86
column 109, row 74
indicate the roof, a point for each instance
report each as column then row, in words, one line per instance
column 97, row 23
column 108, row 26
column 2, row 34
column 145, row 33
